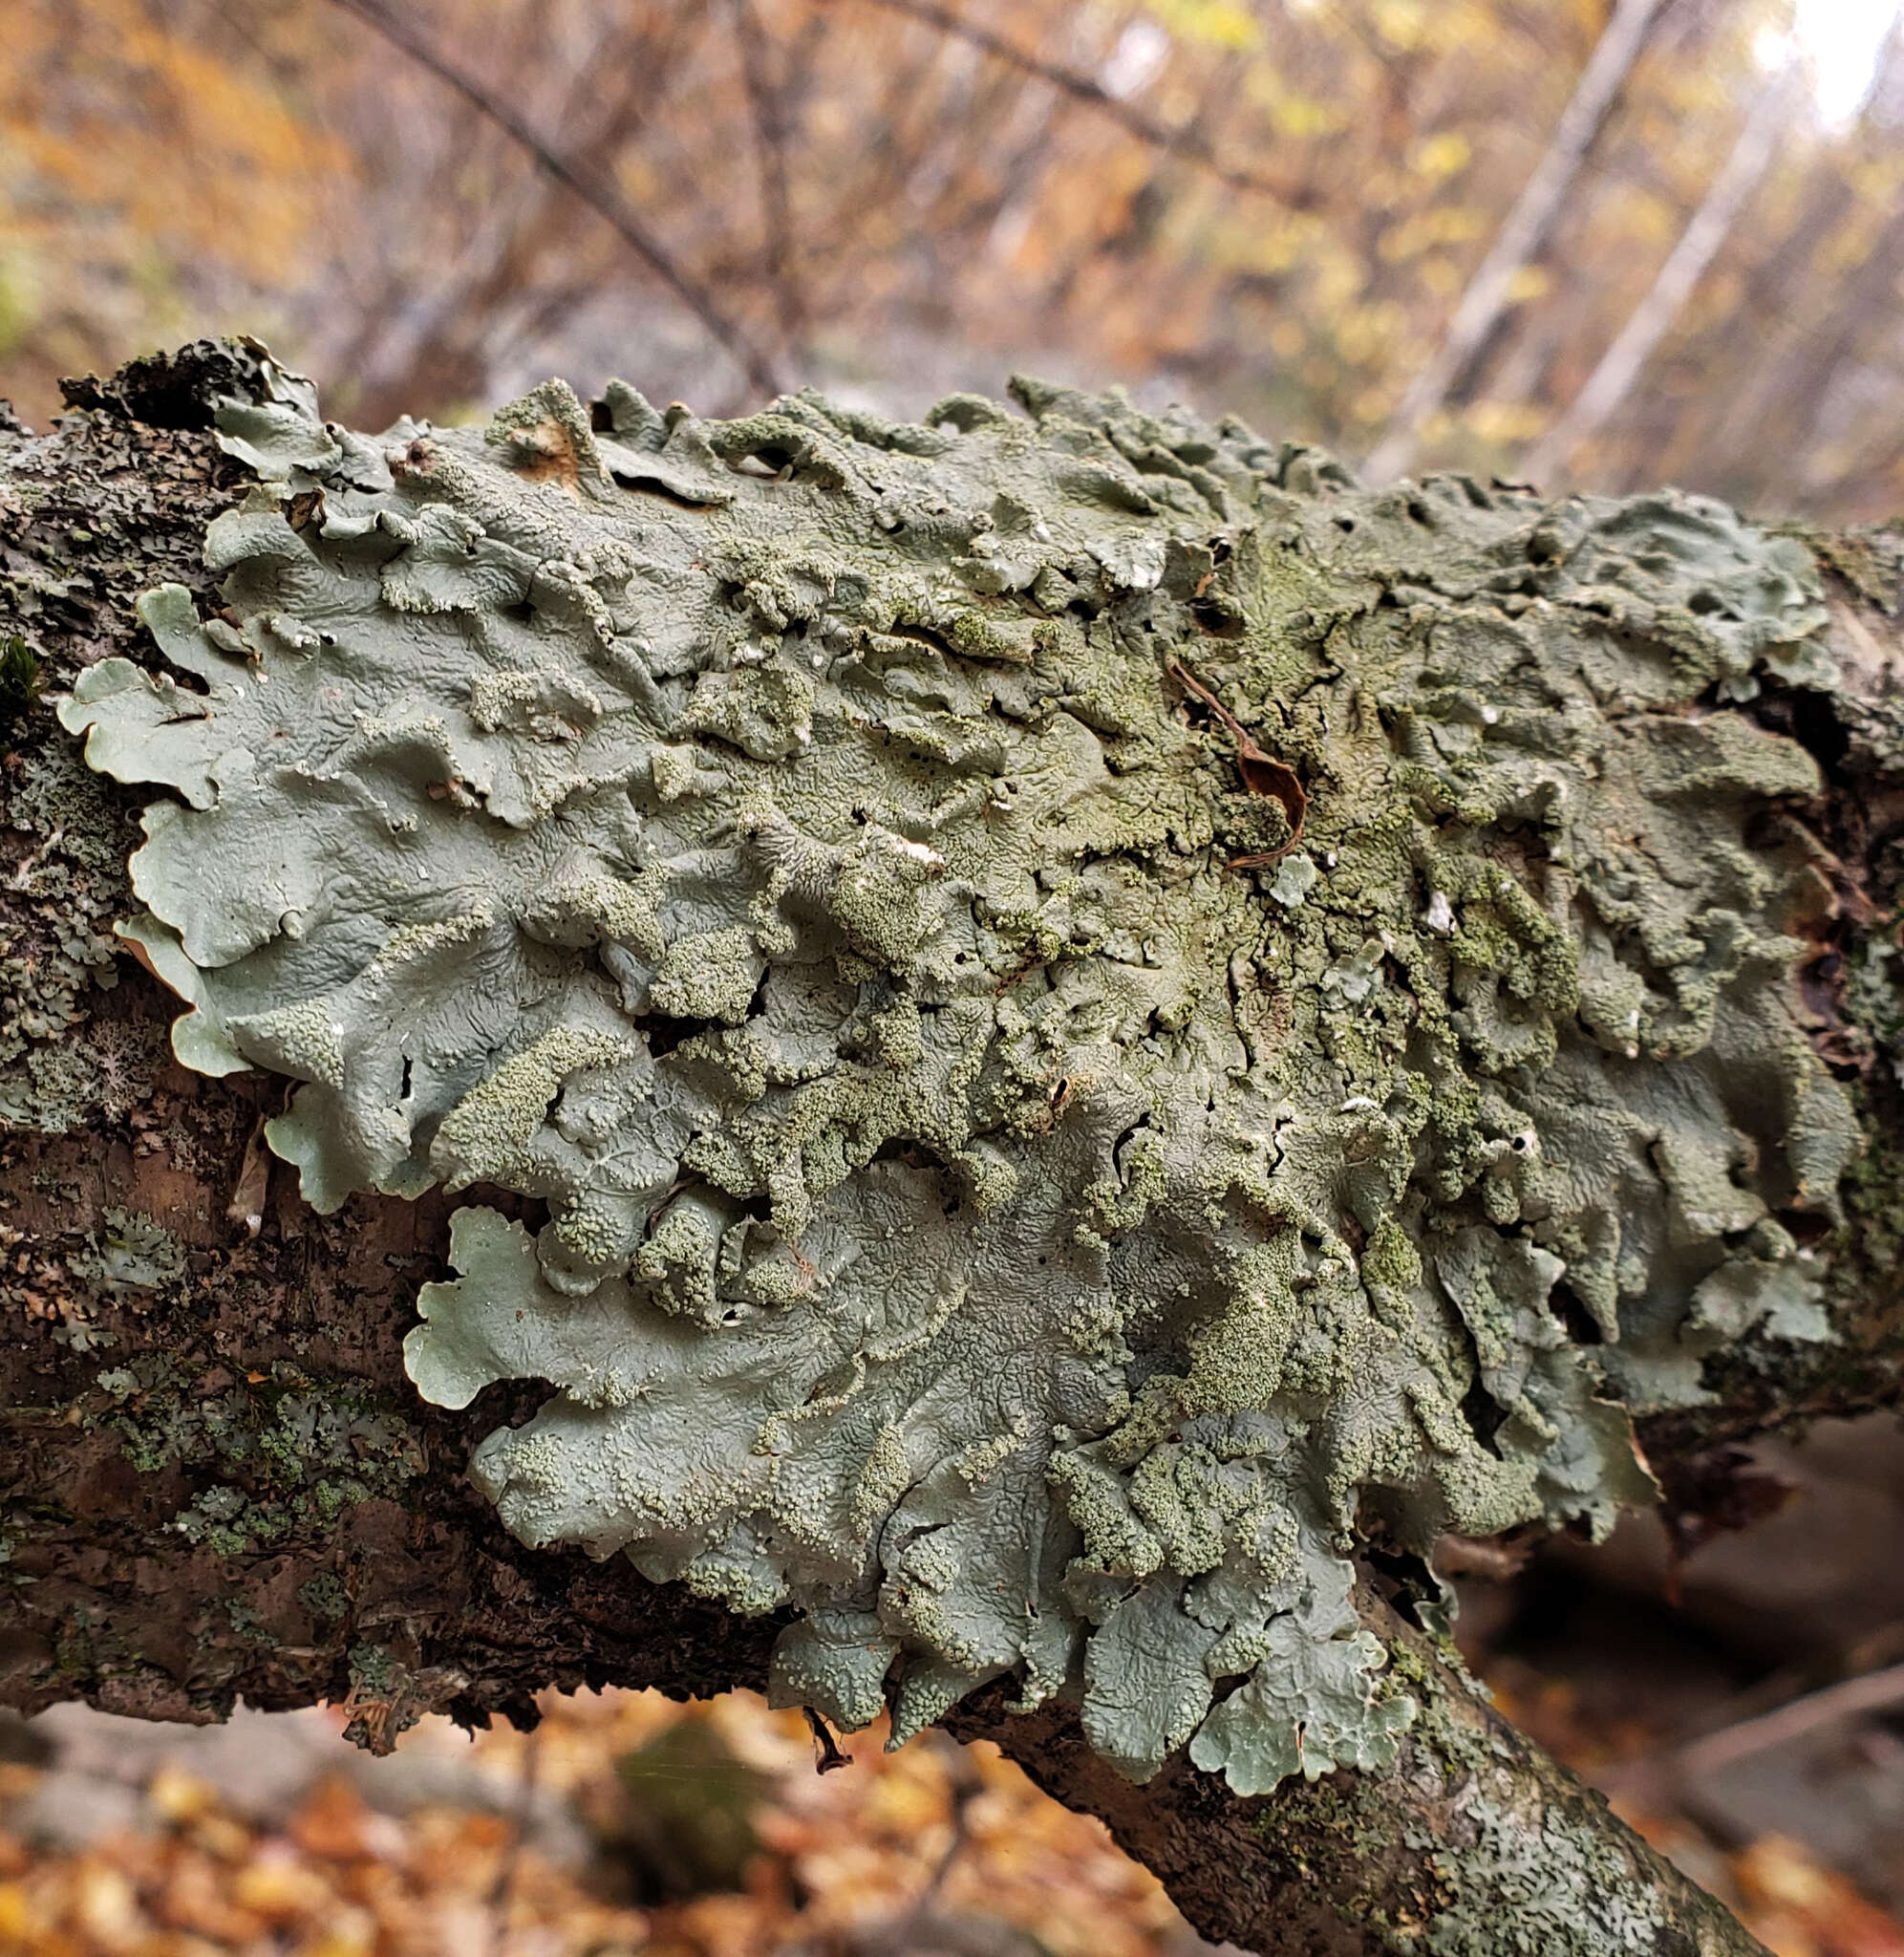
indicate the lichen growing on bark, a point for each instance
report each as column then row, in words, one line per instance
column 1011, row 1198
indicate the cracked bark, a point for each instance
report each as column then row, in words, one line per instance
column 224, row 1486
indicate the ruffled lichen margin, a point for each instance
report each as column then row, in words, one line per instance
column 1101, row 1016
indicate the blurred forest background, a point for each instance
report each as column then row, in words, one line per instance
column 1277, row 208
column 1593, row 243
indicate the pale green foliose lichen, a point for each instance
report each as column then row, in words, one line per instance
column 131, row 1253
column 1006, row 1203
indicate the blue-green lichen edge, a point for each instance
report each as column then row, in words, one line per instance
column 1013, row 1200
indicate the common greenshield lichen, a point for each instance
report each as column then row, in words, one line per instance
column 1010, row 1198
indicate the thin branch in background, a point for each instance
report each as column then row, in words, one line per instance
column 766, row 100
column 596, row 192
column 1678, row 1774
column 1183, row 141
column 503, row 1891
column 963, row 1786
column 1874, row 1691
column 1619, row 367
column 1519, row 237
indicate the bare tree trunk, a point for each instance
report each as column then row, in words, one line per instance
column 1619, row 368
column 219, row 1483
column 1526, row 227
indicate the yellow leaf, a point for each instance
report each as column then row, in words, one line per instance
column 1401, row 23
column 1443, row 154
column 1208, row 23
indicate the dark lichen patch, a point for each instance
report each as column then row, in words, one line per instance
column 1850, row 979
column 1073, row 1212
column 60, row 840
column 84, row 1285
column 174, row 390
column 292, row 1451
column 388, row 1695
column 84, row 515
column 20, row 683
column 324, row 1595
column 129, row 1253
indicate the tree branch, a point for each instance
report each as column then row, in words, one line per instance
column 1475, row 1841
column 217, row 1481
column 1185, row 142
column 766, row 102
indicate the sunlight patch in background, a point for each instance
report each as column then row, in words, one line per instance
column 1841, row 40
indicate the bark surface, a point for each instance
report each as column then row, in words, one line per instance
column 219, row 1482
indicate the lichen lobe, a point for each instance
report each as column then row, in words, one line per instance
column 1043, row 1158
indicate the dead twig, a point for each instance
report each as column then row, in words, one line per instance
column 1185, row 142
column 502, row 1890
column 1609, row 384
column 248, row 1195
column 601, row 197
column 1469, row 1555
column 828, row 1755
column 1678, row 1773
column 766, row 100
column 1874, row 1691
column 964, row 1787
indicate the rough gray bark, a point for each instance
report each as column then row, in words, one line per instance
column 219, row 1482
